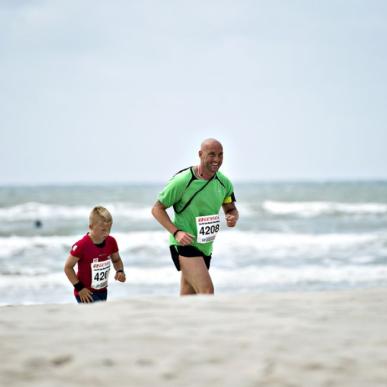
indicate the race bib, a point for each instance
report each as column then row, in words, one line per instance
column 100, row 274
column 207, row 228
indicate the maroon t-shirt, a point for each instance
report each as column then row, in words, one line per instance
column 94, row 262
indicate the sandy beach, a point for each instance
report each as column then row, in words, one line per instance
column 270, row 339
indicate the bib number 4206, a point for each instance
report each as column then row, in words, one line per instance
column 100, row 274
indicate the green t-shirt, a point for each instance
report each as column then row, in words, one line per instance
column 181, row 188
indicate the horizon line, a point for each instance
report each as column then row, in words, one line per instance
column 235, row 181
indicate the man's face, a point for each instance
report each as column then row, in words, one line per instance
column 211, row 157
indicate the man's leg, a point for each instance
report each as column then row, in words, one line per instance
column 196, row 274
column 185, row 288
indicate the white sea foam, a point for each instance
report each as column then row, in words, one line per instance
column 227, row 241
column 252, row 276
column 311, row 209
column 245, row 278
column 14, row 245
column 289, row 243
column 33, row 210
column 37, row 281
column 142, row 239
column 152, row 276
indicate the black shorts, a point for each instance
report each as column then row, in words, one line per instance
column 187, row 251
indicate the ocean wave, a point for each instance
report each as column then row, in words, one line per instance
column 313, row 209
column 15, row 245
column 134, row 275
column 34, row 281
column 34, row 210
column 253, row 276
column 272, row 240
column 229, row 243
column 250, row 277
column 244, row 278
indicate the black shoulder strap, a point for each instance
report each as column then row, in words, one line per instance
column 193, row 177
column 181, row 170
column 220, row 181
column 192, row 197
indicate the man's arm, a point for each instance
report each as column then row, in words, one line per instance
column 161, row 215
column 232, row 214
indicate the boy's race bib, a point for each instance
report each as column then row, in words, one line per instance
column 100, row 274
column 207, row 228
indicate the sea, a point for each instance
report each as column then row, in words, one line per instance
column 291, row 236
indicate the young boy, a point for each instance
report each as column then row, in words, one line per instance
column 93, row 254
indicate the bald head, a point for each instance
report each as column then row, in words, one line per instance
column 210, row 142
column 211, row 157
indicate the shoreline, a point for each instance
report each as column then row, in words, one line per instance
column 333, row 338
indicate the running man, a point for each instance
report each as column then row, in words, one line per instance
column 196, row 193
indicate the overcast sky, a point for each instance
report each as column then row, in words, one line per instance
column 125, row 91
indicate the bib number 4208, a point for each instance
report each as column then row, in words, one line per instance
column 207, row 227
column 208, row 230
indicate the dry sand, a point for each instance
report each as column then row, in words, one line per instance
column 278, row 339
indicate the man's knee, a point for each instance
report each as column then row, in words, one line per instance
column 185, row 287
column 198, row 287
column 206, row 289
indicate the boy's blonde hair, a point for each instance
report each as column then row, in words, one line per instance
column 100, row 213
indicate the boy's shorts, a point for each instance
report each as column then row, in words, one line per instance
column 187, row 251
column 97, row 296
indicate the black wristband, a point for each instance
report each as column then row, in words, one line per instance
column 174, row 234
column 79, row 286
column 120, row 271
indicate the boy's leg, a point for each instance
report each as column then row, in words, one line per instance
column 100, row 296
column 195, row 273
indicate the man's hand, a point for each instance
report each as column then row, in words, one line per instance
column 85, row 295
column 231, row 214
column 184, row 238
column 231, row 220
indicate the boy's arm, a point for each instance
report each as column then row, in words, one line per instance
column 84, row 294
column 119, row 267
